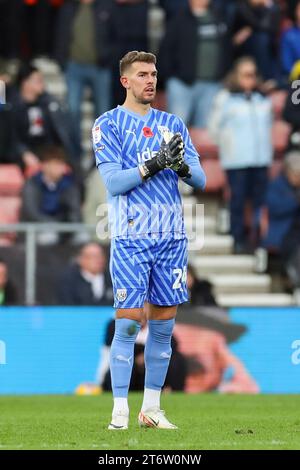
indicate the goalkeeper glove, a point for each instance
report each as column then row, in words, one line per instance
column 169, row 156
column 184, row 171
column 181, row 168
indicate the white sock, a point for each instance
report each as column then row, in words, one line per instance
column 120, row 405
column 151, row 399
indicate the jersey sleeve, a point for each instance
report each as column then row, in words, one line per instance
column 108, row 155
column 106, row 144
column 192, row 159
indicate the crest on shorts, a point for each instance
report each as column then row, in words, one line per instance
column 121, row 294
column 97, row 134
column 166, row 133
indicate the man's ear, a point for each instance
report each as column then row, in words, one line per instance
column 124, row 82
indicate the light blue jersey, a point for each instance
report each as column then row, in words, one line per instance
column 122, row 140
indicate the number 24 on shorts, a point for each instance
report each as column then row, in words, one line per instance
column 180, row 277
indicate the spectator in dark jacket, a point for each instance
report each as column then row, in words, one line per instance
column 7, row 154
column 192, row 61
column 10, row 28
column 38, row 118
column 172, row 7
column 255, row 30
column 8, row 293
column 283, row 203
column 84, row 43
column 130, row 32
column 88, row 281
column 7, row 144
column 290, row 42
column 51, row 195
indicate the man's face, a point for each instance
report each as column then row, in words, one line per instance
column 247, row 76
column 140, row 81
column 92, row 259
column 197, row 5
column 257, row 3
column 3, row 275
column 35, row 83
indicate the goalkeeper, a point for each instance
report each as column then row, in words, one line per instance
column 141, row 153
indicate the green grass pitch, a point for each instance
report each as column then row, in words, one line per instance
column 205, row 422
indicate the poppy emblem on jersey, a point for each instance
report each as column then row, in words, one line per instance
column 147, row 132
column 121, row 294
column 97, row 134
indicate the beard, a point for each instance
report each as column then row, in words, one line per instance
column 142, row 100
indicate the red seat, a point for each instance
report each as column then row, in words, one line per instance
column 9, row 214
column 203, row 142
column 215, row 176
column 9, row 209
column 11, row 180
column 160, row 101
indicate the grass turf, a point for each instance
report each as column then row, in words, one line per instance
column 205, row 422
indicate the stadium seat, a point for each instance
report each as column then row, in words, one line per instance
column 203, row 142
column 9, row 209
column 215, row 176
column 9, row 214
column 160, row 101
column 11, row 180
column 32, row 170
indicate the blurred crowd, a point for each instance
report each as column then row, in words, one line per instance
column 219, row 63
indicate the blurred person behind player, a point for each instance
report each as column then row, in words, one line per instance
column 139, row 153
column 87, row 281
column 240, row 124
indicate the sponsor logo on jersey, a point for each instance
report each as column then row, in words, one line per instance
column 97, row 134
column 146, row 155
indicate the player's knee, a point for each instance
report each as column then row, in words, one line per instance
column 126, row 330
column 161, row 330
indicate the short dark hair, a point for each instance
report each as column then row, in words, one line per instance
column 52, row 152
column 136, row 56
column 24, row 72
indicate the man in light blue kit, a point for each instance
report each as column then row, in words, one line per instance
column 140, row 153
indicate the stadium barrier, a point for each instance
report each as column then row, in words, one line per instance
column 31, row 230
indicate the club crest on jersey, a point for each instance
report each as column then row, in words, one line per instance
column 121, row 295
column 97, row 134
column 147, row 132
column 166, row 133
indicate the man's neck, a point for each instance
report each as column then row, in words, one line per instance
column 138, row 108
